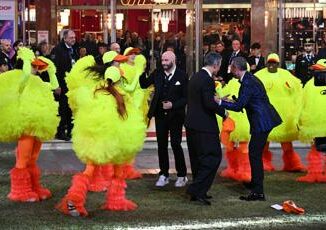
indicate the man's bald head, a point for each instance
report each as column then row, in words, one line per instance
column 115, row 47
column 5, row 45
column 168, row 60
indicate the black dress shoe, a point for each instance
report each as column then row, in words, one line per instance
column 201, row 201
column 68, row 137
column 208, row 197
column 253, row 197
column 60, row 136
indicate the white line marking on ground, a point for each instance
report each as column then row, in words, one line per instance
column 239, row 223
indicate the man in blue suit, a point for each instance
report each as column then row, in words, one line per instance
column 262, row 117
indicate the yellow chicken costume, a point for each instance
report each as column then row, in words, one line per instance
column 28, row 115
column 312, row 123
column 285, row 94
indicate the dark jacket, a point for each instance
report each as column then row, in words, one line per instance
column 302, row 70
column 321, row 54
column 224, row 63
column 228, row 59
column 177, row 93
column 261, row 114
column 63, row 60
column 259, row 66
column 202, row 109
column 5, row 59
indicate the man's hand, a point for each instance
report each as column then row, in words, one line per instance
column 57, row 91
column 167, row 105
column 226, row 98
column 217, row 99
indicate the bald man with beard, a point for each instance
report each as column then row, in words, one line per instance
column 115, row 47
column 168, row 108
column 5, row 47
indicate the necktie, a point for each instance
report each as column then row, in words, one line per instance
column 71, row 51
column 167, row 77
column 71, row 54
column 309, row 57
column 233, row 55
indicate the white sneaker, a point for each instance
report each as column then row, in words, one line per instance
column 181, row 182
column 72, row 209
column 162, row 181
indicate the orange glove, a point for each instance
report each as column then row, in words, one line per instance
column 290, row 207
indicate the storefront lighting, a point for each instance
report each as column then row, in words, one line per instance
column 64, row 17
column 307, row 12
column 32, row 14
column 163, row 16
column 161, row 1
column 165, row 24
column 266, row 18
column 156, row 25
column 188, row 18
column 118, row 21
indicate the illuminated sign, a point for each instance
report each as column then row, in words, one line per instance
column 7, row 19
column 5, row 7
column 151, row 2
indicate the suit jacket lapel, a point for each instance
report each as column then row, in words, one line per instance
column 173, row 79
column 260, row 62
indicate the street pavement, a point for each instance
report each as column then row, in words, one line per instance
column 57, row 157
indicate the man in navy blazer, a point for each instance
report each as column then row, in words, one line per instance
column 262, row 117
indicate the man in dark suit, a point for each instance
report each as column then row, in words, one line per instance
column 321, row 54
column 202, row 129
column 220, row 49
column 5, row 47
column 262, row 118
column 168, row 108
column 256, row 61
column 305, row 61
column 236, row 52
column 64, row 57
column 3, row 65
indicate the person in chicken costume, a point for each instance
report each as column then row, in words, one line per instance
column 132, row 69
column 285, row 93
column 235, row 137
column 312, row 123
column 83, row 74
column 28, row 114
column 106, row 117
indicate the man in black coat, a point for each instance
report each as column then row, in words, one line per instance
column 305, row 61
column 236, row 52
column 202, row 129
column 5, row 47
column 64, row 57
column 262, row 118
column 168, row 108
column 256, row 61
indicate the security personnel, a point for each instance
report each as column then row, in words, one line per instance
column 305, row 61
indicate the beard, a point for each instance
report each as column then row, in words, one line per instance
column 168, row 66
